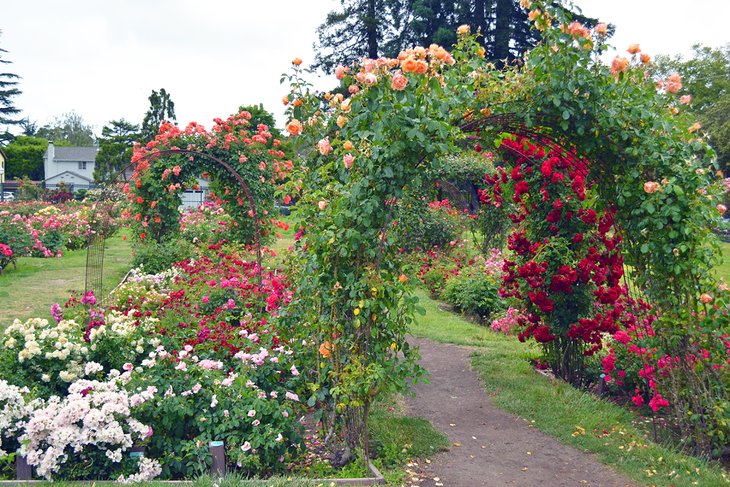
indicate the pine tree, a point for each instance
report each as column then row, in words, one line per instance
column 8, row 90
column 115, row 148
column 162, row 109
column 362, row 28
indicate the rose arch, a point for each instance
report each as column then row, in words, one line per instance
column 601, row 166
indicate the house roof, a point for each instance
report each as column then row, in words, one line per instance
column 87, row 154
column 55, row 176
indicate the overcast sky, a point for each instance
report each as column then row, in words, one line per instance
column 103, row 58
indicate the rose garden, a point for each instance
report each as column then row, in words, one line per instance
column 587, row 235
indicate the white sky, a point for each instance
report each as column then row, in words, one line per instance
column 103, row 58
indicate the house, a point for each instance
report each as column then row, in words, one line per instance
column 73, row 166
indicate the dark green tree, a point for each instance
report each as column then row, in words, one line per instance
column 68, row 129
column 8, row 91
column 361, row 28
column 260, row 115
column 162, row 109
column 25, row 157
column 706, row 78
column 115, row 148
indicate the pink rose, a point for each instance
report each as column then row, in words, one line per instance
column 348, row 160
column 370, row 79
column 324, row 147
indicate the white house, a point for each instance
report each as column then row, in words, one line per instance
column 72, row 165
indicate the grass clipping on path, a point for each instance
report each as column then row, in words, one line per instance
column 574, row 417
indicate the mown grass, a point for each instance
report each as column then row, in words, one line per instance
column 29, row 290
column 723, row 270
column 572, row 416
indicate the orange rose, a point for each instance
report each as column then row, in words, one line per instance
column 296, row 61
column 298, row 102
column 325, row 349
column 633, row 49
column 403, row 278
column 347, row 145
column 409, row 65
column 645, row 58
column 294, row 127
column 285, row 100
column 619, row 64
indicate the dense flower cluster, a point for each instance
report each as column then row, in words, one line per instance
column 567, row 266
column 44, row 232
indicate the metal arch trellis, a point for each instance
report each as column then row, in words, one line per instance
column 512, row 124
column 96, row 241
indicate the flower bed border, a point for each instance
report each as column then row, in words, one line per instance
column 376, row 479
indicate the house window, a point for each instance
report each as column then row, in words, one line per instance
column 82, row 164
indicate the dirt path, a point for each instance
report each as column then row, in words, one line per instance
column 489, row 446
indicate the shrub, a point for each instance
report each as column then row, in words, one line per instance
column 158, row 256
column 473, row 293
column 423, row 226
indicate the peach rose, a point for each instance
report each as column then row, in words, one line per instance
column 325, row 349
column 402, row 278
column 285, row 100
column 348, row 160
column 525, row 4
column 347, row 145
column 340, row 71
column 706, row 298
column 399, row 81
column 353, row 89
column 294, row 127
column 651, row 187
column 674, row 83
column 322, row 204
column 694, row 127
column 370, row 79
column 601, row 29
column 324, row 146
column 685, row 99
column 298, row 102
column 463, row 30
column 296, row 61
column 341, row 121
column 721, row 208
column 645, row 58
column 634, row 49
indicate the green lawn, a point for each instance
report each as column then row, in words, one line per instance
column 30, row 289
column 572, row 416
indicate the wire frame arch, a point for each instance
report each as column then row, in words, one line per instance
column 96, row 242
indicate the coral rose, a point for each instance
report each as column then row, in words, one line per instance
column 296, row 61
column 285, row 100
column 634, row 49
column 685, row 99
column 409, row 65
column 721, row 208
column 353, row 89
column 645, row 58
column 399, row 81
column 706, row 298
column 694, row 127
column 347, row 145
column 601, row 29
column 322, row 204
column 294, row 127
